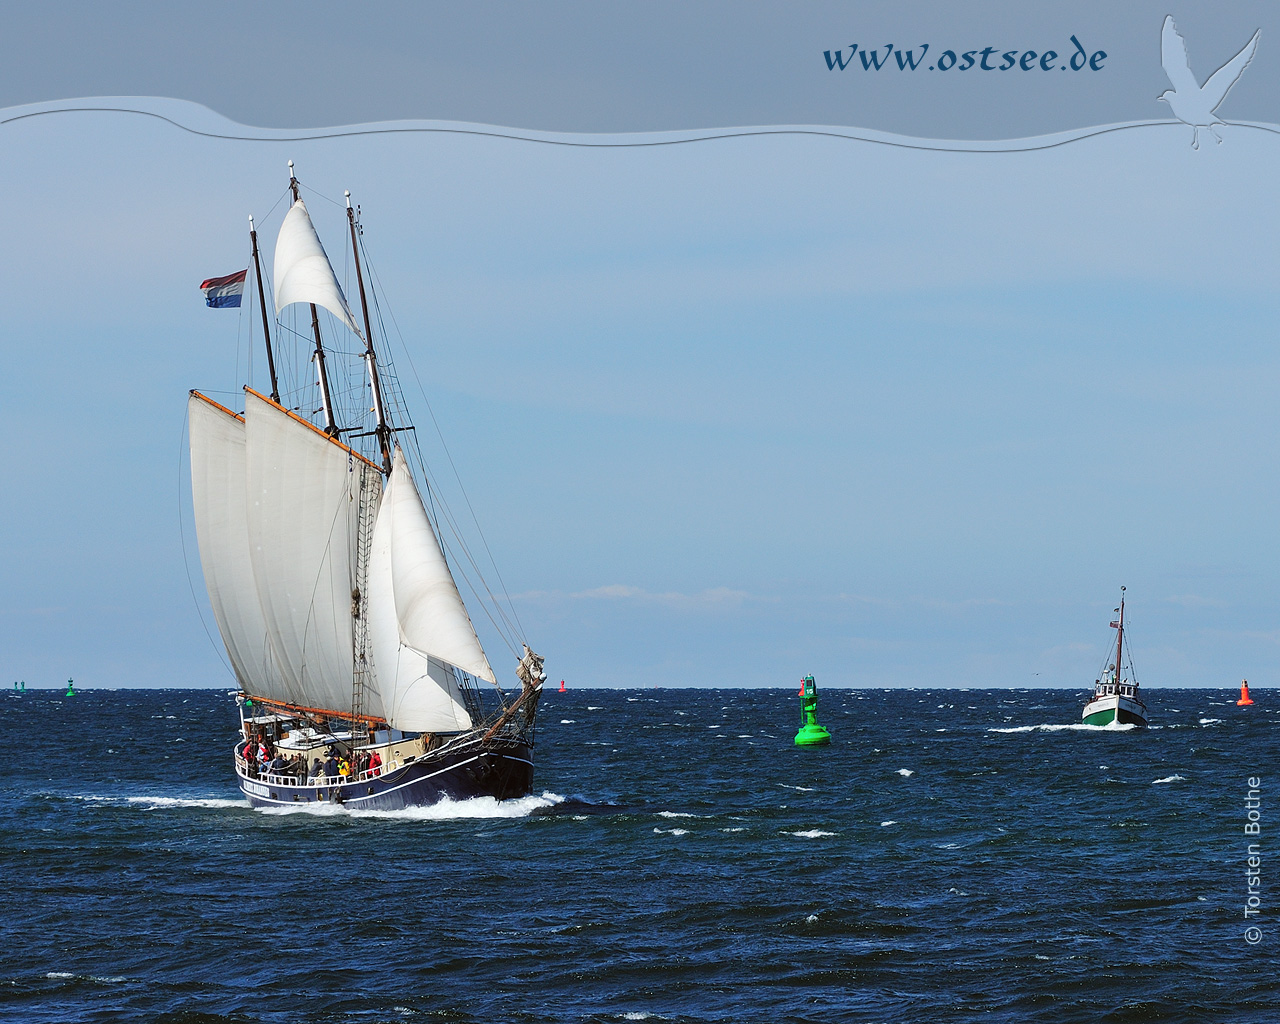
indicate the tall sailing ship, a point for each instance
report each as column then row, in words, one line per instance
column 360, row 669
column 1116, row 699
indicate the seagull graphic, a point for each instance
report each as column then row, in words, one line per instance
column 1191, row 102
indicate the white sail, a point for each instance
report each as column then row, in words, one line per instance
column 419, row 693
column 418, row 624
column 218, row 499
column 303, row 272
column 304, row 501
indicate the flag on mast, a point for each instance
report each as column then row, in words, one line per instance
column 221, row 292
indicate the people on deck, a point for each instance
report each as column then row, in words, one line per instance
column 375, row 763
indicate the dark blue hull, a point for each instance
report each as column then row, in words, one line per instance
column 500, row 770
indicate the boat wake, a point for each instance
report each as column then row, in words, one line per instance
column 156, row 803
column 444, row 810
column 1073, row 727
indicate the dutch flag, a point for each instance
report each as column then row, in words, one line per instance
column 220, row 292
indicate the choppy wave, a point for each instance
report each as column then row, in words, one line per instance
column 812, row 833
column 1171, row 778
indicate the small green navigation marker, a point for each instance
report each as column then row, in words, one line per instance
column 71, row 689
column 811, row 734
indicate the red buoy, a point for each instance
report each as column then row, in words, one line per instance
column 561, row 686
column 1245, row 699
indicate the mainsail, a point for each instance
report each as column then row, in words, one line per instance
column 418, row 625
column 303, row 517
column 218, row 495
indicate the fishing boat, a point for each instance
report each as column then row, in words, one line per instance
column 361, row 675
column 1116, row 699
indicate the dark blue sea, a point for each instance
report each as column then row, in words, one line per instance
column 954, row 856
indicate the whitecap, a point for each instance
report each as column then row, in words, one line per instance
column 568, row 721
column 1210, row 721
column 884, row 824
column 905, row 772
column 811, row 919
column 1171, row 778
column 671, row 831
column 798, row 789
column 675, row 814
column 594, row 709
column 813, row 833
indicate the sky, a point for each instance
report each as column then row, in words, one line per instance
column 728, row 412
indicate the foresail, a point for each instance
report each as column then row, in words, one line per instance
column 433, row 618
column 218, row 499
column 304, row 499
column 419, row 693
column 418, row 624
column 303, row 272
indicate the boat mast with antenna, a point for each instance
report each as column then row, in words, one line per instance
column 1120, row 637
column 383, row 431
column 262, row 304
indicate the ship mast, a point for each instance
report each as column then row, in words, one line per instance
column 262, row 303
column 382, row 430
column 330, row 426
column 1120, row 637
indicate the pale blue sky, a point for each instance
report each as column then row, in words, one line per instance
column 730, row 412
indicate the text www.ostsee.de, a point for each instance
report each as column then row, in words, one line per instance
column 988, row 58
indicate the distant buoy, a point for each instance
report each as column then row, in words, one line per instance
column 561, row 690
column 71, row 689
column 1245, row 699
column 811, row 734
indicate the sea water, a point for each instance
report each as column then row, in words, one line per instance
column 954, row 855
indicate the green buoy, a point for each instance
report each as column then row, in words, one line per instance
column 811, row 734
column 71, row 690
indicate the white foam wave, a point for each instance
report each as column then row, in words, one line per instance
column 905, row 772
column 153, row 803
column 883, row 824
column 798, row 789
column 811, row 919
column 1073, row 727
column 444, row 810
column 812, row 833
column 671, row 831
column 1210, row 721
column 568, row 721
column 1171, row 778
column 675, row 814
